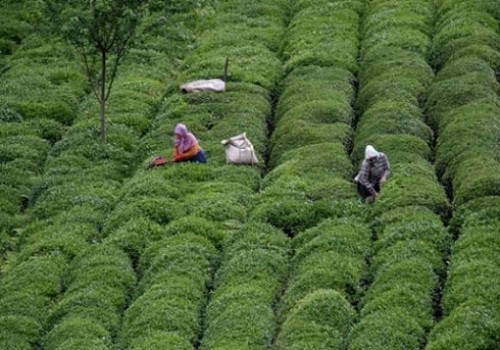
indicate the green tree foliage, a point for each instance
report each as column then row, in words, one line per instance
column 101, row 31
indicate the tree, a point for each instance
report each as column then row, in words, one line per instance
column 101, row 31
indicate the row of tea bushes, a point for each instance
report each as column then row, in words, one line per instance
column 471, row 295
column 81, row 182
column 411, row 241
column 171, row 222
column 41, row 67
column 247, row 285
column 463, row 103
column 394, row 80
column 97, row 283
column 326, row 270
column 14, row 27
column 43, row 80
column 143, row 87
column 174, row 220
column 313, row 122
column 39, row 95
column 176, row 274
column 407, row 265
column 253, row 265
column 308, row 192
column 463, row 106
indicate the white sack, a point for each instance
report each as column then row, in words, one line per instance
column 216, row 85
column 239, row 150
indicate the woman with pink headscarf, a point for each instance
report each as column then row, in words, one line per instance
column 187, row 148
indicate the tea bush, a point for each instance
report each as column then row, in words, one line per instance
column 176, row 272
column 403, row 297
column 301, row 49
column 182, row 247
column 414, row 184
column 198, row 226
column 461, row 28
column 474, row 251
column 323, row 84
column 99, row 304
column 372, row 331
column 261, row 267
column 482, row 180
column 135, row 235
column 78, row 332
column 391, row 86
column 14, row 25
column 399, row 59
column 62, row 240
column 416, row 15
column 18, row 332
column 156, row 310
column 393, row 121
column 472, row 325
column 256, row 235
column 447, row 95
column 248, row 176
column 158, row 210
column 322, row 319
column 250, row 63
column 39, row 275
column 481, row 210
column 456, row 128
column 330, row 255
column 302, row 133
column 157, row 339
column 39, row 279
column 54, row 91
column 241, row 326
column 288, row 208
column 411, row 223
column 355, row 5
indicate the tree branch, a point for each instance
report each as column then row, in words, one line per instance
column 90, row 72
column 119, row 56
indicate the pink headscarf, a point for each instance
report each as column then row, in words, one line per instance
column 186, row 139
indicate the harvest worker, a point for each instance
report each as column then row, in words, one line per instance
column 374, row 171
column 187, row 148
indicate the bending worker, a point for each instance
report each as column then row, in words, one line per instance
column 374, row 171
column 187, row 148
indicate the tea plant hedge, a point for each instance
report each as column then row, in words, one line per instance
column 312, row 126
column 80, row 185
column 189, row 213
column 397, row 308
column 308, row 192
column 15, row 26
column 98, row 252
column 463, row 106
column 39, row 96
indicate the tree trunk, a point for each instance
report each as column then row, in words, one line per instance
column 102, row 113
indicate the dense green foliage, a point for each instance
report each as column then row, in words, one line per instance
column 99, row 252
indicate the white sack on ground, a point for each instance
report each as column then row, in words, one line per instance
column 215, row 85
column 239, row 150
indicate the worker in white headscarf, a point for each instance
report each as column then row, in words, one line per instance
column 374, row 171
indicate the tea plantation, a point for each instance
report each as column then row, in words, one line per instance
column 99, row 253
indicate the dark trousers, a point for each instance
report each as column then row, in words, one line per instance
column 363, row 191
column 199, row 157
